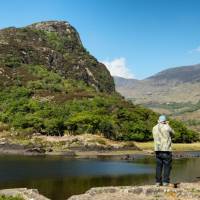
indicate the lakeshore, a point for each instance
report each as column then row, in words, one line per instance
column 86, row 146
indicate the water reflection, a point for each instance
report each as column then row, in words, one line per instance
column 59, row 178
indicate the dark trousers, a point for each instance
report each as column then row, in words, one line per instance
column 163, row 166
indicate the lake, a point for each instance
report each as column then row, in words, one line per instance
column 59, row 177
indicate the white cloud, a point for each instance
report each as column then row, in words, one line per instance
column 195, row 50
column 118, row 67
column 198, row 49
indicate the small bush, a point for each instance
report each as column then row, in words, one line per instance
column 12, row 61
column 4, row 127
column 54, row 126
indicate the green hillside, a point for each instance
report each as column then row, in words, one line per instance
column 70, row 93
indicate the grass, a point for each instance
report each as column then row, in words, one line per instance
column 187, row 147
column 3, row 197
column 176, row 147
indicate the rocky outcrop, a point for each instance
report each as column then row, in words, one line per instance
column 68, row 145
column 63, row 28
column 26, row 194
column 55, row 45
column 18, row 149
column 185, row 191
column 86, row 143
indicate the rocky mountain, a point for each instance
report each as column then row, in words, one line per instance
column 179, row 84
column 174, row 91
column 55, row 45
column 182, row 74
column 124, row 83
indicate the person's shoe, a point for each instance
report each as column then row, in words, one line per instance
column 165, row 184
column 158, row 184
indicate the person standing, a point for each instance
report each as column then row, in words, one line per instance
column 162, row 133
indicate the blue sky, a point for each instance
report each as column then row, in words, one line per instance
column 134, row 38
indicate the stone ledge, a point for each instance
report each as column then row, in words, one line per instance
column 27, row 194
column 185, row 191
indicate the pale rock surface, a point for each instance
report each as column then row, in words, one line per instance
column 185, row 191
column 26, row 194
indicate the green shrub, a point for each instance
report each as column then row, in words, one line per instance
column 182, row 133
column 12, row 61
column 54, row 126
column 86, row 122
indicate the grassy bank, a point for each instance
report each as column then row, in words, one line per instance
column 176, row 147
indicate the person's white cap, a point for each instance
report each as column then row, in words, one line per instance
column 162, row 118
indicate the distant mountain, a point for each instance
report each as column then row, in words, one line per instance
column 180, row 84
column 123, row 82
column 179, row 74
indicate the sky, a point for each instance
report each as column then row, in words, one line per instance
column 133, row 38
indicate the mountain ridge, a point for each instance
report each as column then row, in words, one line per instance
column 182, row 73
column 164, row 86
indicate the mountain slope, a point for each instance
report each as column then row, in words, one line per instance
column 179, row 84
column 179, row 74
column 124, row 83
column 55, row 45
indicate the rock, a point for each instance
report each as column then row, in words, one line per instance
column 83, row 197
column 185, row 191
column 49, row 150
column 69, row 153
column 37, row 150
column 27, row 194
column 128, row 157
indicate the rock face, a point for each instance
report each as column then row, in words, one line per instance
column 26, row 194
column 186, row 191
column 55, row 45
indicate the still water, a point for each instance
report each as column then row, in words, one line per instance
column 59, row 177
